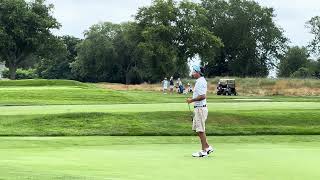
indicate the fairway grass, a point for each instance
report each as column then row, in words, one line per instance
column 156, row 107
column 158, row 158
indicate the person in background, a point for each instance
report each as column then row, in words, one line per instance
column 171, row 85
column 180, row 86
column 165, row 86
column 177, row 87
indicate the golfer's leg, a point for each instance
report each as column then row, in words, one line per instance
column 203, row 139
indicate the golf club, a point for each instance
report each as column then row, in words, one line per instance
column 191, row 113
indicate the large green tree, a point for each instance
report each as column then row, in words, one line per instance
column 110, row 53
column 194, row 38
column 97, row 55
column 252, row 41
column 173, row 33
column 165, row 36
column 24, row 28
column 55, row 58
column 128, row 54
column 158, row 31
column 294, row 59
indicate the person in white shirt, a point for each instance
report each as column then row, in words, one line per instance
column 165, row 86
column 200, row 111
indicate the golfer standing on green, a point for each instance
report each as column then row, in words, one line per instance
column 200, row 110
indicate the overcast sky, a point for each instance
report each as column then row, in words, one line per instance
column 76, row 16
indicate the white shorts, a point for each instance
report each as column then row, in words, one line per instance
column 199, row 119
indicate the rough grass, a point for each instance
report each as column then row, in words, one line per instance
column 273, row 87
column 245, row 86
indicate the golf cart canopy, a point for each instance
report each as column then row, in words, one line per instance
column 227, row 81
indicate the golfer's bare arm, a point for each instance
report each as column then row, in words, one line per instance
column 199, row 98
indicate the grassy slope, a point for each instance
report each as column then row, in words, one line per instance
column 40, row 82
column 44, row 92
column 158, row 158
column 160, row 123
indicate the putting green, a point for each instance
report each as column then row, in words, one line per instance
column 56, row 109
column 130, row 158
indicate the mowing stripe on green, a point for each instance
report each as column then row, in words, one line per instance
column 56, row 109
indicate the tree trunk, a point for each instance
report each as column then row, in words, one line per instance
column 12, row 72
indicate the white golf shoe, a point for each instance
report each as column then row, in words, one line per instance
column 209, row 150
column 200, row 154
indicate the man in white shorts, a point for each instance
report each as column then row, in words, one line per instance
column 200, row 111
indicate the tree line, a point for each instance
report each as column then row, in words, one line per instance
column 233, row 38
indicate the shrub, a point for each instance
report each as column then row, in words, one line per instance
column 22, row 74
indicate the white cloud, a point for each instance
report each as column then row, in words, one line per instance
column 292, row 16
column 76, row 16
